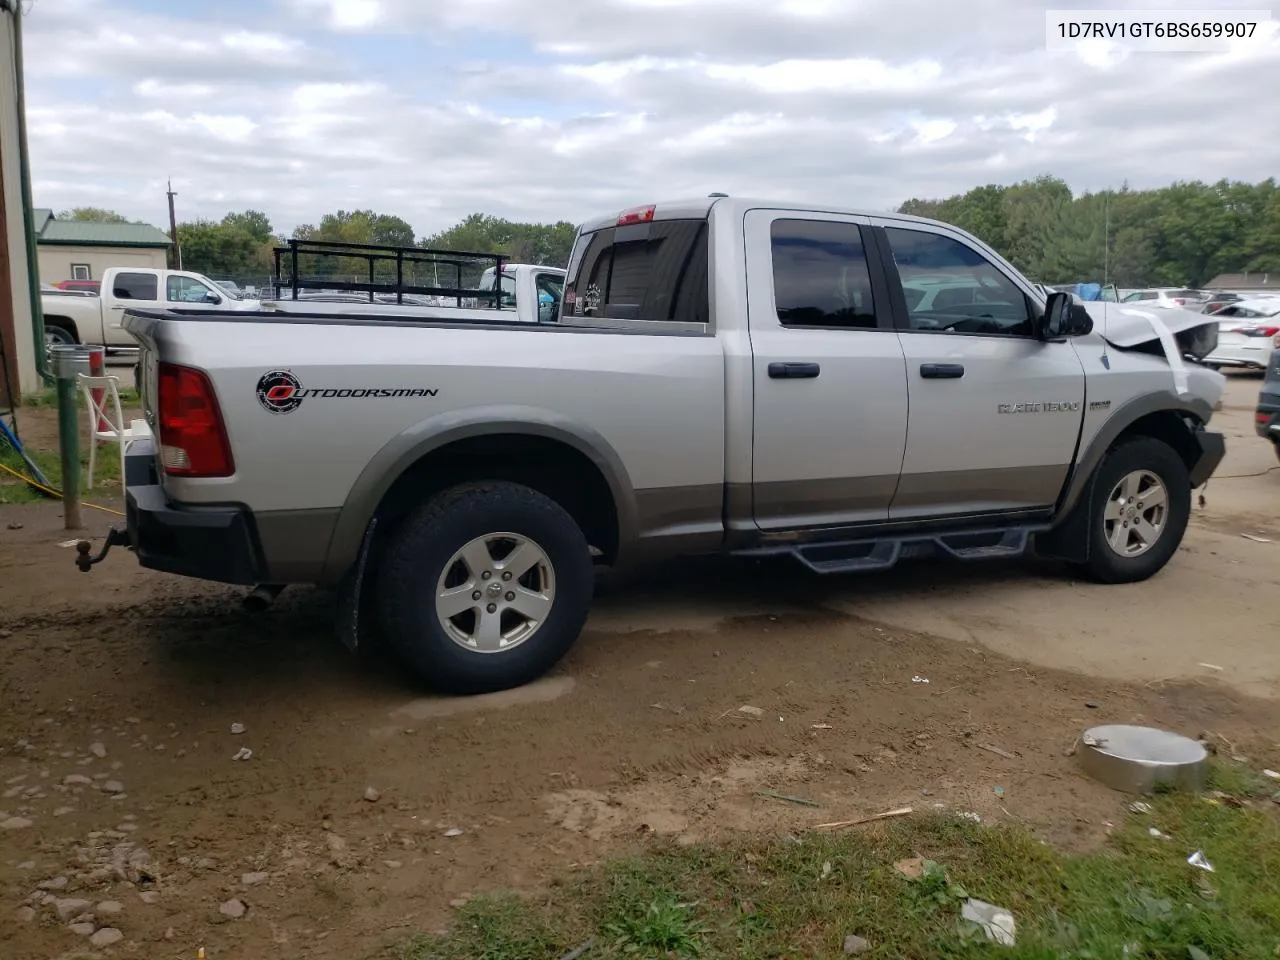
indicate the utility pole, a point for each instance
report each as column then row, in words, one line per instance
column 173, row 228
column 1106, row 237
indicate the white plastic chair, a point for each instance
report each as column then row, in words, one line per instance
column 103, row 426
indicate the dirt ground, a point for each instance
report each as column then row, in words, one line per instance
column 120, row 797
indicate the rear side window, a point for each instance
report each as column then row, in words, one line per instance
column 136, row 286
column 645, row 271
column 820, row 275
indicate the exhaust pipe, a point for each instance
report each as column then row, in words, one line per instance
column 262, row 596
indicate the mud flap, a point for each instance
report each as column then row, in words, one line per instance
column 351, row 594
column 1069, row 540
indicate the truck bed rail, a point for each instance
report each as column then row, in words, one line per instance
column 334, row 266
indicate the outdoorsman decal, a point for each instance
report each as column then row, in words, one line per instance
column 279, row 391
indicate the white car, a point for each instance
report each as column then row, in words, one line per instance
column 1167, row 297
column 1248, row 330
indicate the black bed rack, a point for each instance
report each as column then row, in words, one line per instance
column 390, row 271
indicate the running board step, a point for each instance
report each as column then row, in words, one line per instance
column 881, row 553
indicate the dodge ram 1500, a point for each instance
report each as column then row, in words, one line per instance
column 724, row 375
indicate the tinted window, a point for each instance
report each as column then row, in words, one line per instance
column 951, row 287
column 820, row 275
column 136, row 286
column 646, row 271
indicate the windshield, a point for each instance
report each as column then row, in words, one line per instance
column 228, row 288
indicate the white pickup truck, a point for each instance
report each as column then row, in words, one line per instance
column 96, row 320
column 530, row 293
column 845, row 388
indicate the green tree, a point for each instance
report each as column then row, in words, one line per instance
column 1185, row 233
column 219, row 250
column 254, row 222
column 540, row 243
column 93, row 215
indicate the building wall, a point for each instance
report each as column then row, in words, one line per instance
column 56, row 260
column 15, row 312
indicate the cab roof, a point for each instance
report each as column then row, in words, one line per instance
column 700, row 207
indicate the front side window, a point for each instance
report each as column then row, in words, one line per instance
column 187, row 290
column 820, row 275
column 950, row 287
column 643, row 271
column 136, row 286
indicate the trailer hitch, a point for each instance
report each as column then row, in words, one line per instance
column 116, row 536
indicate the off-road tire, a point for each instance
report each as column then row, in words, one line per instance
column 417, row 553
column 1140, row 453
column 1276, row 446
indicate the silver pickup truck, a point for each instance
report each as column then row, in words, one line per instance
column 848, row 389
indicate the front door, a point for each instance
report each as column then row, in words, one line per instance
column 188, row 293
column 830, row 389
column 995, row 413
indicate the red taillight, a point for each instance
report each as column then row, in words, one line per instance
column 193, row 440
column 1262, row 417
column 637, row 215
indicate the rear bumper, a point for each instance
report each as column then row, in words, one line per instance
column 1267, row 421
column 1212, row 447
column 206, row 542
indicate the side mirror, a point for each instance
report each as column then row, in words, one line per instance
column 1063, row 317
column 212, row 297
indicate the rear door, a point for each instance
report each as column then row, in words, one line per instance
column 829, row 382
column 995, row 413
column 128, row 289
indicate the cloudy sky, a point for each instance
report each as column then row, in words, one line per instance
column 431, row 109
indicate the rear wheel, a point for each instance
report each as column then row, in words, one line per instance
column 1276, row 445
column 485, row 587
column 1140, row 505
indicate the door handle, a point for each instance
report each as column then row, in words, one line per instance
column 794, row 371
column 942, row 371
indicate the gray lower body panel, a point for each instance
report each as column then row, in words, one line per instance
column 295, row 544
column 977, row 491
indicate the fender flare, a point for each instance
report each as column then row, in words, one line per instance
column 417, row 441
column 1121, row 420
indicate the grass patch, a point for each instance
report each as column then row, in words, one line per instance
column 48, row 398
column 106, row 477
column 1136, row 898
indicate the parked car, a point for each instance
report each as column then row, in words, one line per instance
column 96, row 320
column 59, row 292
column 725, row 376
column 1267, row 417
column 1248, row 330
column 1216, row 301
column 83, row 286
column 1166, row 297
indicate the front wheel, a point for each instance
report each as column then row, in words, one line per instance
column 56, row 336
column 485, row 587
column 1140, row 505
